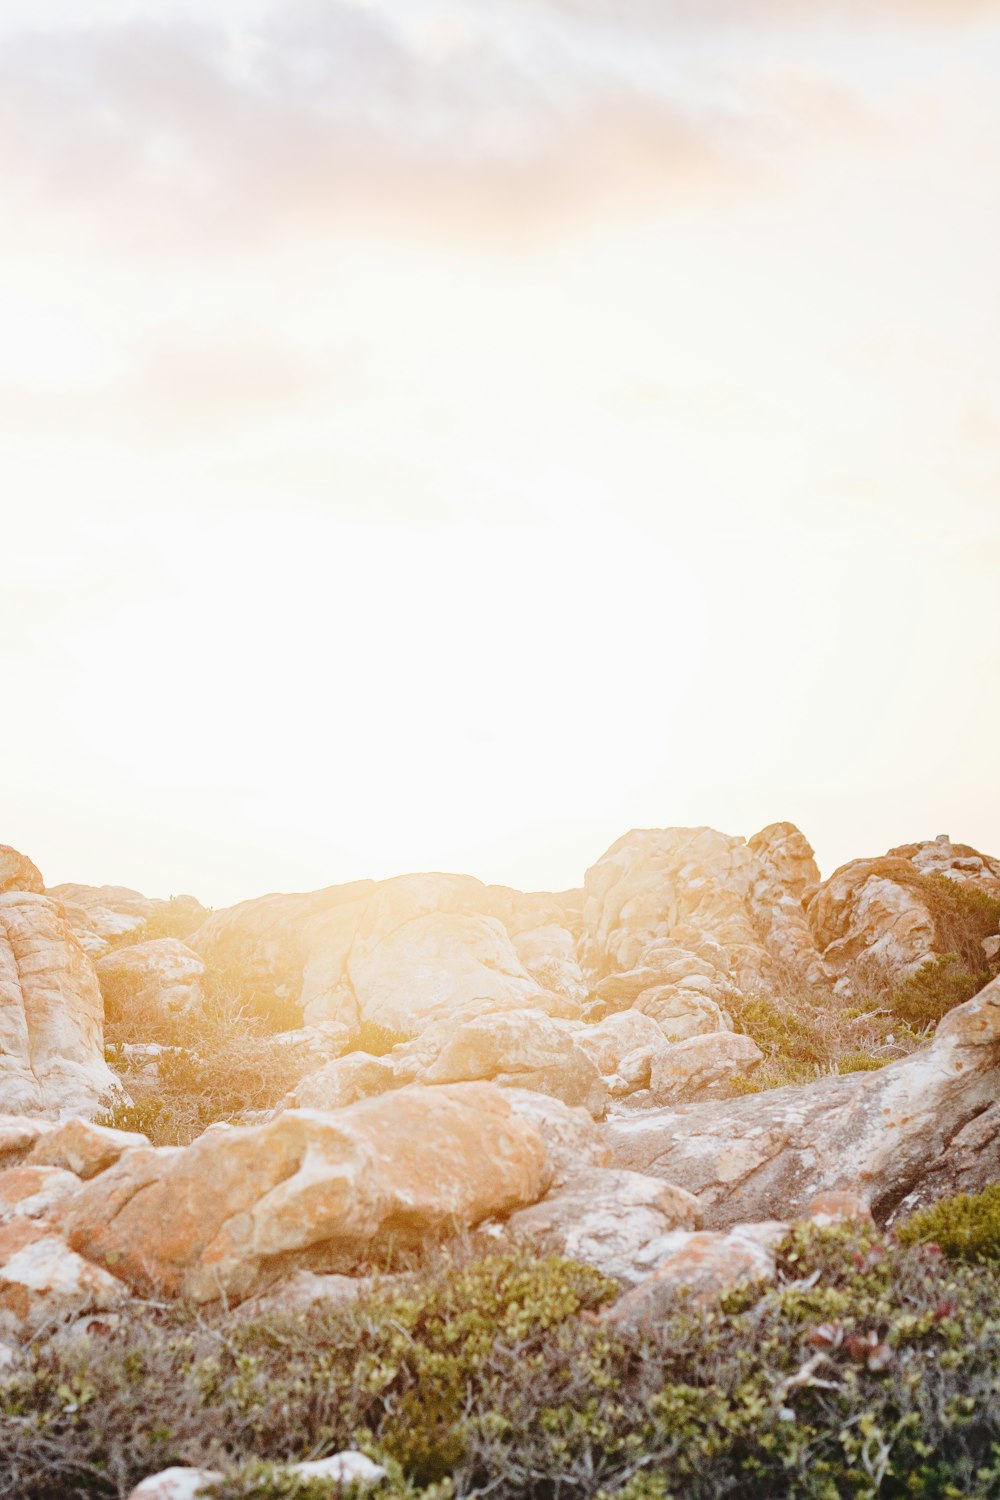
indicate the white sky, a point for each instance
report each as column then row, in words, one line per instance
column 447, row 435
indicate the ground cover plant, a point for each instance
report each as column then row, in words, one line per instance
column 869, row 1369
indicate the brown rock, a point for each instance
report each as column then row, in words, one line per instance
column 81, row 1147
column 33, row 1192
column 42, row 1282
column 229, row 1212
column 702, row 1266
column 17, row 873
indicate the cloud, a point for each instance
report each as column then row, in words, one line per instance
column 330, row 115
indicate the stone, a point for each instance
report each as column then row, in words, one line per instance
column 239, row 1207
column 839, row 1207
column 515, row 1048
column 42, row 1281
column 101, row 914
column 404, row 953
column 702, row 1265
column 619, row 1222
column 81, row 1147
column 681, row 1012
column 51, row 1014
column 33, row 1192
column 18, row 1133
column 177, row 1483
column 163, row 976
column 691, row 1069
column 684, row 886
column 880, row 912
column 609, row 1041
column 969, row 1163
column 871, row 1133
column 573, row 1141
column 302, row 1293
column 348, row 1468
column 18, row 873
column 344, row 1081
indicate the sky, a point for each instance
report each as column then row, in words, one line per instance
column 445, row 436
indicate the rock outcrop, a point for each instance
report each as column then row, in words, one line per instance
column 689, row 911
column 42, row 1283
column 870, row 1132
column 238, row 1207
column 886, row 912
column 51, row 1013
column 102, row 914
column 403, row 953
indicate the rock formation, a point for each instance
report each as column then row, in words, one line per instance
column 870, row 1132
column 163, row 976
column 51, row 1012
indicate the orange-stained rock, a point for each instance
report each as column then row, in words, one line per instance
column 32, row 1192
column 18, row 1133
column 42, row 1281
column 703, row 1265
column 343, row 1081
column 840, row 1207
column 84, row 1148
column 18, row 873
column 224, row 1215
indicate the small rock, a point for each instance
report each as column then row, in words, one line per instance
column 84, row 1148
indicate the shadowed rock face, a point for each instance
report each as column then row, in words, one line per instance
column 772, row 1153
column 51, row 1013
column 229, row 1212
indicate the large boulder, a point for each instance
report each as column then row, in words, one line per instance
column 51, row 1014
column 43, row 1282
column 658, row 888
column 702, row 1065
column 700, row 1266
column 516, row 1048
column 162, row 977
column 969, row 1163
column 889, row 913
column 620, row 1222
column 772, row 1153
column 403, row 953
column 18, row 873
column 240, row 1206
column 573, row 1140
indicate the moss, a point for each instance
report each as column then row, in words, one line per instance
column 964, row 1227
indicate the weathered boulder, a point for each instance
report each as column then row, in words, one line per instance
column 18, row 873
column 517, row 1048
column 403, row 953
column 969, row 1163
column 573, row 1140
column 302, row 1293
column 100, row 913
column 51, row 1014
column 701, row 1265
column 784, row 879
column 682, row 1011
column 83, row 1148
column 33, row 1192
column 773, row 1152
column 620, row 1222
column 701, row 1065
column 163, row 976
column 227, row 1214
column 18, row 1133
column 624, row 1032
column 348, row 1470
column 43, row 1282
column 343, row 1081
column 888, row 912
column 678, row 886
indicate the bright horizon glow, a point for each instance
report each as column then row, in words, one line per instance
column 445, row 436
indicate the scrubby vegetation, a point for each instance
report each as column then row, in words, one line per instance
column 869, row 1370
column 219, row 1063
column 966, row 1227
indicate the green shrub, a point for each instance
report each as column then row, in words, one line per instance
column 964, row 1227
column 868, row 1370
column 377, row 1040
column 940, row 984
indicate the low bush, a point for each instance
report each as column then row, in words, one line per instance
column 869, row 1370
column 966, row 1227
column 924, row 998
